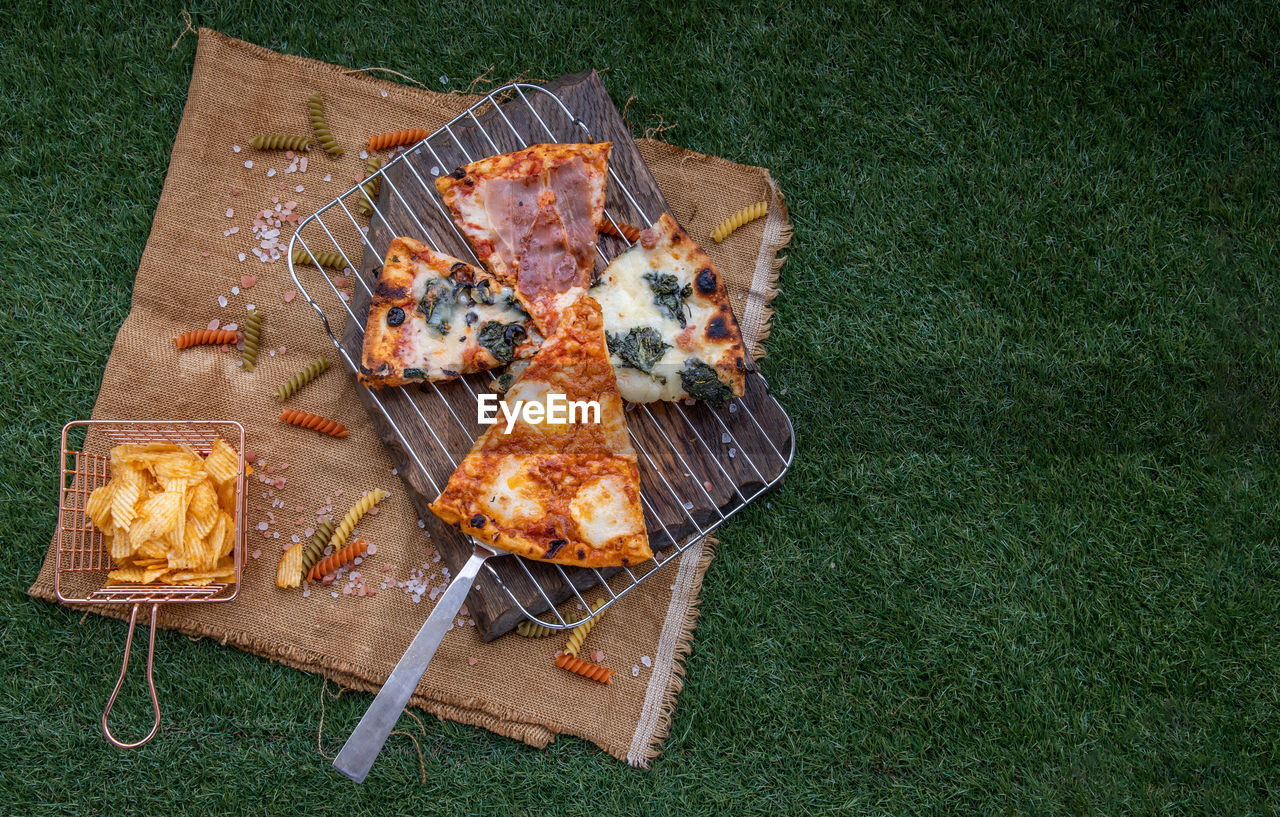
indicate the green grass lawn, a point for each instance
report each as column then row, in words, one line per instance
column 1026, row 560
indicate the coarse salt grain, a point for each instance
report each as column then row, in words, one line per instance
column 241, row 256
column 256, row 554
column 298, row 189
column 271, row 172
column 597, row 656
column 213, row 324
column 230, row 212
column 249, row 164
column 302, row 164
column 235, row 290
column 328, row 177
column 470, row 660
column 222, row 300
column 634, row 671
column 289, row 295
column 235, row 148
column 384, row 96
column 646, row 660
column 364, row 154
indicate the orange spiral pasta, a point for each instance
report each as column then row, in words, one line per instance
column 586, row 669
column 206, row 337
column 624, row 230
column 314, row 421
column 397, row 137
column 339, row 558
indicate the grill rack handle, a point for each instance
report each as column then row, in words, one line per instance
column 151, row 684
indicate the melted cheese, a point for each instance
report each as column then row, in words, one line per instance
column 510, row 495
column 626, row 301
column 602, row 511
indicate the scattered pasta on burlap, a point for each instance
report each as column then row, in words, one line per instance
column 291, row 386
column 206, row 337
column 337, row 559
column 586, row 669
column 277, row 141
column 318, row 258
column 252, row 332
column 532, row 629
column 746, row 215
column 371, row 188
column 630, row 232
column 579, row 633
column 315, row 545
column 315, row 422
column 289, row 571
column 396, row 138
column 358, row 510
column 320, row 126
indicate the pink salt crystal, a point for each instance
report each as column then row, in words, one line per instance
column 204, row 255
column 346, row 591
column 250, row 455
column 372, row 549
column 289, row 295
column 213, row 324
column 327, row 579
column 283, row 466
column 288, row 154
column 597, row 656
column 340, row 281
column 471, row 661
column 463, row 610
column 247, row 281
column 290, row 205
column 256, row 554
column 235, row 191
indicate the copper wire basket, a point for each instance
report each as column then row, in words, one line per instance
column 83, row 559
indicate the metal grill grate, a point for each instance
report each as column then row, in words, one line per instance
column 708, row 463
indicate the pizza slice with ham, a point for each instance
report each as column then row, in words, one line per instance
column 567, row 493
column 533, row 217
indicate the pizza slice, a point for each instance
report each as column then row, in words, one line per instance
column 433, row 317
column 533, row 217
column 670, row 330
column 567, row 493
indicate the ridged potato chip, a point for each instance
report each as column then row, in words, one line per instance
column 289, row 571
column 98, row 507
column 124, row 502
column 222, row 464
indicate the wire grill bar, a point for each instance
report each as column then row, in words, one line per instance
column 682, row 469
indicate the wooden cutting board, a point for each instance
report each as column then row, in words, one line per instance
column 696, row 464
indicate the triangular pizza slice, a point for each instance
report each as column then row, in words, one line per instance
column 568, row 492
column 670, row 329
column 533, row 217
column 433, row 317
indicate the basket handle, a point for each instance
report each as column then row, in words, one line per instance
column 151, row 684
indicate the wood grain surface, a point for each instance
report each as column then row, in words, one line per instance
column 697, row 464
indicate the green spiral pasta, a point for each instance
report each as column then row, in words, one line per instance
column 315, row 546
column 532, row 629
column 354, row 515
column 579, row 633
column 252, row 332
column 315, row 111
column 276, row 141
column 371, row 187
column 332, row 260
column 290, row 387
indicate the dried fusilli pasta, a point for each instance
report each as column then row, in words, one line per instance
column 371, row 187
column 744, row 216
column 397, row 137
column 337, row 559
column 532, row 629
column 206, row 337
column 276, row 141
column 315, row 422
column 315, row 546
column 290, row 387
column 579, row 633
column 322, row 258
column 315, row 111
column 289, row 571
column 585, row 668
column 354, row 515
column 623, row 230
column 252, row 331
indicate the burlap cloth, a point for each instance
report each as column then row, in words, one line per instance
column 512, row 688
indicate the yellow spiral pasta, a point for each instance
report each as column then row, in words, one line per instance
column 579, row 633
column 315, row 112
column 532, row 629
column 290, row 387
column 744, row 216
column 371, row 187
column 322, row 259
column 252, row 331
column 276, row 141
column 353, row 516
column 315, row 547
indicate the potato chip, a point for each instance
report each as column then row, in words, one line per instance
column 227, row 496
column 223, row 463
column 119, row 545
column 98, row 507
column 126, row 575
column 228, row 536
column 124, row 503
column 289, row 571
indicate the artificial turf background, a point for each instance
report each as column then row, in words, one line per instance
column 1026, row 560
